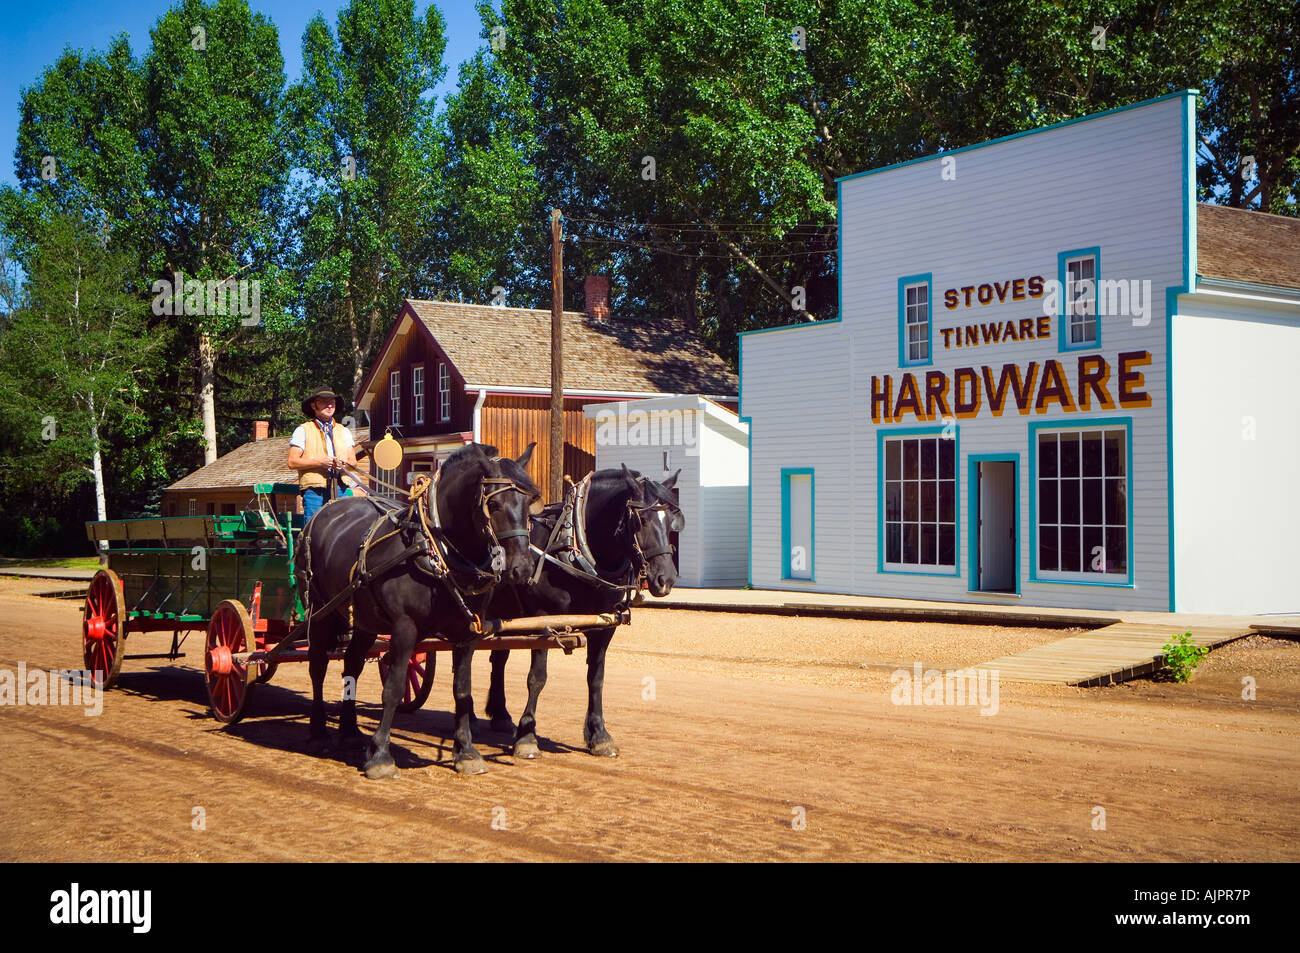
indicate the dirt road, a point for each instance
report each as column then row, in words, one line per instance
column 743, row 738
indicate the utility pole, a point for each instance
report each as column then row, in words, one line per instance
column 557, row 361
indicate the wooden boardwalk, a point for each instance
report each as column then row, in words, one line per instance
column 1104, row 656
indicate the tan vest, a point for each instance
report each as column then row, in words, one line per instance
column 315, row 447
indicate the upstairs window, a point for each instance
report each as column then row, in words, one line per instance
column 1079, row 281
column 914, row 325
column 395, row 397
column 417, row 394
column 444, row 393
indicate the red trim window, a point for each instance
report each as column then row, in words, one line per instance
column 417, row 394
column 395, row 398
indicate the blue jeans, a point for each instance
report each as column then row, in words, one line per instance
column 313, row 498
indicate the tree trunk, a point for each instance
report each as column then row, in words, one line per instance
column 97, row 465
column 207, row 403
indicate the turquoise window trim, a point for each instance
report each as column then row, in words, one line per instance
column 926, row 279
column 882, row 434
column 1062, row 324
column 1091, row 424
column 973, row 512
column 786, row 473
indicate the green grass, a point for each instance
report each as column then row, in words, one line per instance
column 58, row 562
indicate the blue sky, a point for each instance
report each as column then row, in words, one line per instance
column 35, row 32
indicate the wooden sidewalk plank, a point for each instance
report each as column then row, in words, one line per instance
column 1104, row 656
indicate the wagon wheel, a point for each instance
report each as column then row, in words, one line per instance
column 419, row 680
column 265, row 671
column 103, row 628
column 229, row 682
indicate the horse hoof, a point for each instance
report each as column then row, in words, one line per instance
column 320, row 745
column 604, row 749
column 527, row 750
column 503, row 724
column 470, row 766
column 380, row 770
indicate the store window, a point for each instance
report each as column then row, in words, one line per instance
column 914, row 324
column 1082, row 487
column 1079, row 281
column 919, row 508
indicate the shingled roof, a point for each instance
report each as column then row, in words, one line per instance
column 510, row 347
column 1242, row 245
column 258, row 461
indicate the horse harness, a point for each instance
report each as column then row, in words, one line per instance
column 434, row 553
column 568, row 548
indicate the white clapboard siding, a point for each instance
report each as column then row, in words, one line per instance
column 1115, row 182
column 1236, row 455
column 712, row 454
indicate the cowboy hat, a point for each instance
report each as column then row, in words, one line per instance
column 307, row 410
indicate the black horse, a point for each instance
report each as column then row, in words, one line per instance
column 482, row 510
column 626, row 520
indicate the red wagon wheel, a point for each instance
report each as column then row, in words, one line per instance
column 103, row 628
column 230, row 681
column 419, row 680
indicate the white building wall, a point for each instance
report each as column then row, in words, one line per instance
column 1236, row 455
column 1115, row 182
column 712, row 488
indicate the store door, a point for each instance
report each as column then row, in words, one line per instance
column 997, row 545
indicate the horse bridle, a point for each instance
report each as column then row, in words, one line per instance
column 638, row 511
column 489, row 487
column 568, row 537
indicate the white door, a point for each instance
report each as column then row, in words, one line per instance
column 997, row 529
column 799, row 536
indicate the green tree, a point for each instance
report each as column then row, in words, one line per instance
column 1252, row 109
column 214, row 80
column 72, row 361
column 365, row 138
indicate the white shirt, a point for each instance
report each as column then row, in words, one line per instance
column 342, row 441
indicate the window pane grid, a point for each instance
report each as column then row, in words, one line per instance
column 1082, row 502
column 1081, row 300
column 916, row 306
column 920, row 502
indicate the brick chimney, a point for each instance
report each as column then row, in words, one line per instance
column 261, row 429
column 595, row 291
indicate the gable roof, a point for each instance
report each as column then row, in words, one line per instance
column 258, row 461
column 1244, row 245
column 511, row 347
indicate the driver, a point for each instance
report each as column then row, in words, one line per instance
column 320, row 450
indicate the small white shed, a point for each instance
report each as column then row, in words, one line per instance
column 710, row 445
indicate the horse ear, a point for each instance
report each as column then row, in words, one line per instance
column 527, row 455
column 672, row 480
column 630, row 479
column 486, row 449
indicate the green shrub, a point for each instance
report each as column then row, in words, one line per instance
column 1182, row 657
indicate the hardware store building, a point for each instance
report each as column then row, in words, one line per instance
column 1055, row 378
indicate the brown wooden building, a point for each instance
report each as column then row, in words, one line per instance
column 449, row 373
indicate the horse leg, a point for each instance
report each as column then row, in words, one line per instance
column 496, row 701
column 401, row 643
column 599, row 741
column 317, row 663
column 350, row 738
column 526, row 739
column 466, row 756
